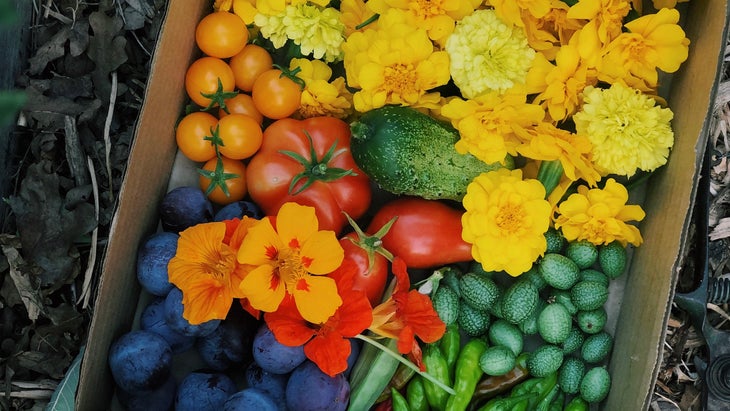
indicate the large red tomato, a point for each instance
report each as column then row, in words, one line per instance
column 309, row 162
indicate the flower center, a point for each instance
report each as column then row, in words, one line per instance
column 427, row 8
column 291, row 268
column 510, row 218
column 400, row 78
column 222, row 265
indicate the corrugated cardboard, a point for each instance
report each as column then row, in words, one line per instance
column 650, row 283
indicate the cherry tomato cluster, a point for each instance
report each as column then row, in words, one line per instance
column 243, row 132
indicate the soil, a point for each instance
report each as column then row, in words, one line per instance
column 80, row 82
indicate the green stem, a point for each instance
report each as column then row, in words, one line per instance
column 407, row 363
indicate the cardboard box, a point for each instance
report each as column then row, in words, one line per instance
column 650, row 282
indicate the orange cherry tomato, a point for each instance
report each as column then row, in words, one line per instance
column 221, row 34
column 231, row 175
column 249, row 64
column 275, row 95
column 190, row 135
column 241, row 136
column 242, row 103
column 202, row 78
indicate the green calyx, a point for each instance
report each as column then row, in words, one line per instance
column 372, row 244
column 218, row 98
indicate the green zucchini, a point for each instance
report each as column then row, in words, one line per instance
column 407, row 152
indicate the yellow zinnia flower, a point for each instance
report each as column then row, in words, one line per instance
column 547, row 33
column 394, row 64
column 436, row 16
column 486, row 54
column 653, row 41
column 487, row 123
column 547, row 143
column 605, row 22
column 293, row 259
column 628, row 130
column 600, row 215
column 513, row 11
column 321, row 97
column 205, row 269
column 505, row 220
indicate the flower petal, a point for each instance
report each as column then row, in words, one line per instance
column 317, row 298
column 263, row 288
column 297, row 223
column 260, row 245
column 322, row 253
column 329, row 351
column 287, row 324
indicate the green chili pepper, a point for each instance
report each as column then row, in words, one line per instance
column 399, row 401
column 545, row 401
column 450, row 345
column 541, row 386
column 436, row 365
column 467, row 375
column 576, row 404
column 416, row 395
column 516, row 403
column 558, row 402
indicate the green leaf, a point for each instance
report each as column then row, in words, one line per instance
column 64, row 397
column 10, row 103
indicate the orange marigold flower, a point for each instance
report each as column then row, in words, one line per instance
column 205, row 269
column 407, row 314
column 292, row 259
column 326, row 344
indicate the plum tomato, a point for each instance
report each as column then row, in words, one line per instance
column 207, row 76
column 242, row 103
column 276, row 95
column 225, row 178
column 191, row 133
column 221, row 34
column 240, row 136
column 249, row 64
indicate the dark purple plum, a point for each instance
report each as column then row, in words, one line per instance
column 152, row 258
column 184, row 207
column 153, row 319
column 250, row 399
column 273, row 356
column 140, row 360
column 310, row 389
column 355, row 345
column 228, row 345
column 176, row 321
column 272, row 384
column 238, row 209
column 203, row 391
column 160, row 398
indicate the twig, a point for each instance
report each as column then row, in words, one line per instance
column 107, row 127
column 48, row 8
column 74, row 152
column 718, row 310
column 86, row 287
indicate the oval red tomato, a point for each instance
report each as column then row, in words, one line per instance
column 319, row 172
column 426, row 234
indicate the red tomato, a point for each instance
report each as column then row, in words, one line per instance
column 371, row 260
column 321, row 172
column 221, row 34
column 426, row 234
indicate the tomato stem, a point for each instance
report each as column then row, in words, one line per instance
column 292, row 75
column 371, row 243
column 218, row 98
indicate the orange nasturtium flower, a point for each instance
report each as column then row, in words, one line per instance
column 407, row 314
column 292, row 259
column 326, row 344
column 205, row 269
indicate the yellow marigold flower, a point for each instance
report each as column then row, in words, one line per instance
column 505, row 220
column 600, row 215
column 487, row 54
column 513, row 11
column 293, row 259
column 321, row 97
column 653, row 41
column 273, row 7
column 546, row 142
column 487, row 123
column 205, row 269
column 355, row 13
column 627, row 129
column 565, row 83
column 547, row 33
column 245, row 9
column 668, row 4
column 605, row 22
column 438, row 17
column 394, row 64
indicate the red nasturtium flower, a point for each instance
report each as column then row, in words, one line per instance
column 407, row 314
column 205, row 268
column 326, row 344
